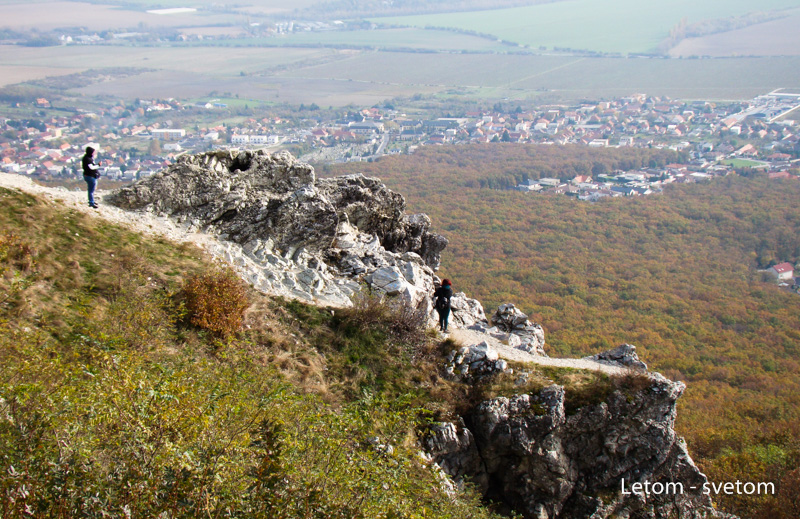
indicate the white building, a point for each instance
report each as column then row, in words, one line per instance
column 782, row 271
column 169, row 134
column 550, row 182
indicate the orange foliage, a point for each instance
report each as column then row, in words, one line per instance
column 674, row 274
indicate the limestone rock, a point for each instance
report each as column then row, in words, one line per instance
column 291, row 233
column 512, row 327
column 475, row 362
column 623, row 355
column 465, row 311
column 453, row 448
column 543, row 461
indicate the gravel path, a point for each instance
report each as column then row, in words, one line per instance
column 469, row 337
column 144, row 223
column 153, row 225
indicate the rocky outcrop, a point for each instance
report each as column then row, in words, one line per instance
column 517, row 330
column 472, row 363
column 618, row 457
column 292, row 234
column 623, row 355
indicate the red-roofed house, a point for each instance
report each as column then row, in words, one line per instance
column 782, row 271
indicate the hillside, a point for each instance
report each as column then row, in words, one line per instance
column 676, row 275
column 137, row 379
column 118, row 396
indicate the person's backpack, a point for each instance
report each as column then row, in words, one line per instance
column 443, row 302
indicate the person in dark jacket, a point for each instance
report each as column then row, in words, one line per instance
column 441, row 301
column 91, row 172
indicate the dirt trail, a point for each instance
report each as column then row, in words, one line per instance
column 145, row 223
column 150, row 224
column 470, row 337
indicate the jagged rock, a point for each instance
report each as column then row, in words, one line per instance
column 512, row 327
column 374, row 209
column 465, row 312
column 291, row 233
column 475, row 362
column 453, row 449
column 544, row 462
column 623, row 355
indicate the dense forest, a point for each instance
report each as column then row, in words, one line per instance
column 676, row 275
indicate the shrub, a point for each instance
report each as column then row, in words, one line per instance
column 15, row 253
column 397, row 318
column 216, row 301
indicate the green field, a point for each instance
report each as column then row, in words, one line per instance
column 744, row 163
column 331, row 77
column 618, row 26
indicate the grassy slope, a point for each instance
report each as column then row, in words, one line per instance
column 674, row 275
column 112, row 403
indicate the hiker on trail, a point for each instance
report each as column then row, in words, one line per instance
column 91, row 172
column 441, row 301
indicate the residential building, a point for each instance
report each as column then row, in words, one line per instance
column 782, row 271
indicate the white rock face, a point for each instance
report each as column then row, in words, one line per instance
column 514, row 328
column 291, row 234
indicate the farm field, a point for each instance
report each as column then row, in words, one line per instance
column 774, row 38
column 596, row 25
column 210, row 61
column 45, row 16
column 565, row 77
column 253, row 6
column 13, row 74
column 331, row 77
column 324, row 92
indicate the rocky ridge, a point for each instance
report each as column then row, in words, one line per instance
column 324, row 240
column 543, row 460
column 318, row 240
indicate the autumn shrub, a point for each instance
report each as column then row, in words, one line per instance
column 216, row 301
column 15, row 253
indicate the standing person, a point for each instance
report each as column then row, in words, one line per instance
column 91, row 172
column 441, row 301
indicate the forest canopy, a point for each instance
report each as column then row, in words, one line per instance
column 675, row 274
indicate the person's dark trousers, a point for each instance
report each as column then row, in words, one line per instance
column 443, row 315
column 91, row 183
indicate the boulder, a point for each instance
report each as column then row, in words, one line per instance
column 475, row 362
column 623, row 355
column 512, row 326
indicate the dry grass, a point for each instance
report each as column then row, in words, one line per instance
column 273, row 343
